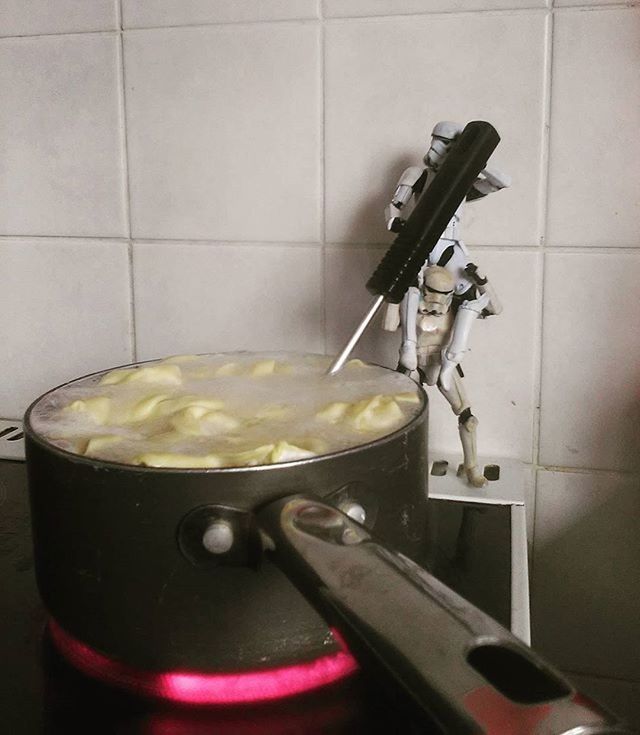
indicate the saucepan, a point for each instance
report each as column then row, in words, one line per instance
column 241, row 571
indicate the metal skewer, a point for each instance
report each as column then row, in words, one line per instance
column 355, row 337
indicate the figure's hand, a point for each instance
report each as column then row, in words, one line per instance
column 395, row 224
column 471, row 270
column 409, row 355
column 393, row 219
column 495, row 180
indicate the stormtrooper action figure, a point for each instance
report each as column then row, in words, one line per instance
column 441, row 337
column 471, row 295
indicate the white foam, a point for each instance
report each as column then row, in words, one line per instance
column 298, row 389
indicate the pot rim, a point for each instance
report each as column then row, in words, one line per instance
column 35, row 437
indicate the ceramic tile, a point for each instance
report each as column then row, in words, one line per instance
column 30, row 17
column 590, row 374
column 386, row 89
column 65, row 306
column 594, row 189
column 585, row 586
column 213, row 298
column 620, row 697
column 499, row 367
column 223, row 132
column 147, row 13
column 354, row 8
column 60, row 121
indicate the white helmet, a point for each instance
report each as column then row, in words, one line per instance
column 438, row 287
column 442, row 135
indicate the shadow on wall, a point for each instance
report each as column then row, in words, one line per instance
column 374, row 200
column 607, row 430
column 585, row 585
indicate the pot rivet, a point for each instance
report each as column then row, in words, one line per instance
column 218, row 538
column 354, row 510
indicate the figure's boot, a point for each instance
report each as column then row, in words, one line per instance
column 467, row 425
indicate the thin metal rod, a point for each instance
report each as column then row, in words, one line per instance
column 346, row 350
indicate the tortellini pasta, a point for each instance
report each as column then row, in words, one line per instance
column 234, row 410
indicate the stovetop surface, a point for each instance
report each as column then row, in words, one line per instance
column 39, row 693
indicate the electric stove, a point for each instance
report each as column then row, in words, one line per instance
column 469, row 550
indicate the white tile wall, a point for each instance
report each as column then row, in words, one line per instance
column 585, row 601
column 145, row 13
column 65, row 312
column 224, row 132
column 250, row 156
column 61, row 155
column 591, row 361
column 33, row 17
column 215, row 298
column 385, row 89
column 594, row 186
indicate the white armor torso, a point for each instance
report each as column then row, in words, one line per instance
column 432, row 331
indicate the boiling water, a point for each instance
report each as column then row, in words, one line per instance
column 224, row 410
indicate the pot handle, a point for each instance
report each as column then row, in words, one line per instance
column 461, row 670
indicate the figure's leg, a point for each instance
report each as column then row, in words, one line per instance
column 467, row 425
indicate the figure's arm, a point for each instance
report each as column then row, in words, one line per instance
column 486, row 304
column 484, row 287
column 488, row 182
column 401, row 197
column 456, row 347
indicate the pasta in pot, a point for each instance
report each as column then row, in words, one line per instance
column 225, row 410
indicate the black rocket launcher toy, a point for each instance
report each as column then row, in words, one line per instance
column 433, row 211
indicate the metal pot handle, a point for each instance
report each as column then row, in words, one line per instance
column 463, row 672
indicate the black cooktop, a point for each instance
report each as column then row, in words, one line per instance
column 39, row 693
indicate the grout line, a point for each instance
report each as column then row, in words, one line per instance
column 543, row 192
column 595, row 8
column 98, row 238
column 439, row 13
column 133, row 344
column 228, row 243
column 475, row 246
column 323, row 177
column 566, row 249
column 102, row 31
column 629, row 4
column 133, row 341
column 532, row 540
column 587, row 470
column 538, row 347
column 121, row 29
column 165, row 240
column 578, row 249
column 126, row 195
column 224, row 24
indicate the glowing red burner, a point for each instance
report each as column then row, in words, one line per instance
column 201, row 688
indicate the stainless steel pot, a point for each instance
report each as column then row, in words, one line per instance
column 200, row 570
column 121, row 565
